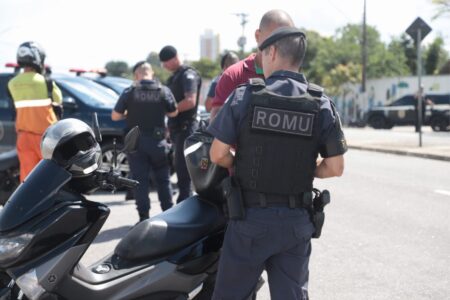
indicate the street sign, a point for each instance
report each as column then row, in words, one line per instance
column 418, row 30
column 417, row 25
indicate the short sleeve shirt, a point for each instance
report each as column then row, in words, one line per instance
column 168, row 99
column 190, row 81
column 232, row 77
column 226, row 126
column 212, row 87
column 185, row 80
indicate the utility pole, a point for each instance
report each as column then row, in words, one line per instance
column 421, row 90
column 242, row 40
column 364, row 51
column 363, row 99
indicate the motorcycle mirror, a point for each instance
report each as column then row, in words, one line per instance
column 131, row 140
column 96, row 127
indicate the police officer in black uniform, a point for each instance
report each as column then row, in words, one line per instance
column 280, row 126
column 145, row 104
column 185, row 84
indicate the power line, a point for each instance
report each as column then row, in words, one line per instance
column 339, row 10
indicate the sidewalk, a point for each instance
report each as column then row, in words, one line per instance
column 401, row 141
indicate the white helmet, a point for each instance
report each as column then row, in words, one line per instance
column 71, row 143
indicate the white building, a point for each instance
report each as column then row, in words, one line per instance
column 209, row 45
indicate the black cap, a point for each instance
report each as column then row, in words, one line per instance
column 138, row 64
column 279, row 34
column 167, row 53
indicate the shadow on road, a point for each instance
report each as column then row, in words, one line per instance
column 111, row 234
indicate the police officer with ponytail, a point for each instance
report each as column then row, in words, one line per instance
column 280, row 126
column 145, row 104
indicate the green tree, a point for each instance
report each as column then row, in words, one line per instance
column 153, row 59
column 380, row 61
column 435, row 56
column 206, row 68
column 316, row 56
column 160, row 73
column 445, row 68
column 340, row 56
column 442, row 7
column 410, row 51
column 387, row 61
column 118, row 68
column 341, row 74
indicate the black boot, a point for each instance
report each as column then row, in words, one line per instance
column 129, row 195
column 143, row 216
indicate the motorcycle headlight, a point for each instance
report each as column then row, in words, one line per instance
column 11, row 247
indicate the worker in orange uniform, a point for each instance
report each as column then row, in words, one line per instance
column 34, row 97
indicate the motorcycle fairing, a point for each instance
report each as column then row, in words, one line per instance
column 34, row 195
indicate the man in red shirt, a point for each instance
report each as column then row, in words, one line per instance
column 250, row 67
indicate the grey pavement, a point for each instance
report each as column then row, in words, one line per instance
column 401, row 140
column 386, row 234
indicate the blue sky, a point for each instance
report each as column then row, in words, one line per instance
column 89, row 33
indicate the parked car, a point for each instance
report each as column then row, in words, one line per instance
column 117, row 84
column 81, row 98
column 402, row 112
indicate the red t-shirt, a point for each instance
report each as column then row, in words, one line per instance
column 235, row 75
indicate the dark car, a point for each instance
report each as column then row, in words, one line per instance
column 81, row 98
column 117, row 84
column 402, row 112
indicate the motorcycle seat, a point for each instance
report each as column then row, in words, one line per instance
column 8, row 160
column 172, row 230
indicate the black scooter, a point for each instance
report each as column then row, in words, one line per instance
column 47, row 225
column 9, row 174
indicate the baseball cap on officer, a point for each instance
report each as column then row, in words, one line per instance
column 138, row 64
column 167, row 53
column 280, row 33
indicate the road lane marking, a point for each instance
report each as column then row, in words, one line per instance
column 442, row 192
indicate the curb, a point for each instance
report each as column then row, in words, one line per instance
column 402, row 152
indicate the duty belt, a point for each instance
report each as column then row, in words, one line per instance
column 183, row 125
column 262, row 200
column 157, row 133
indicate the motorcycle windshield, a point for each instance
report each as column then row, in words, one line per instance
column 34, row 195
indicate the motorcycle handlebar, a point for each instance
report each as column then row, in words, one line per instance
column 115, row 179
column 122, row 181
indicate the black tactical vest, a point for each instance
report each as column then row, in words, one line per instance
column 278, row 143
column 176, row 86
column 146, row 107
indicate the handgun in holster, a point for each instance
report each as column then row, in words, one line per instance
column 321, row 199
column 232, row 192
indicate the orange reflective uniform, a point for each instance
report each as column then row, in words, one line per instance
column 34, row 114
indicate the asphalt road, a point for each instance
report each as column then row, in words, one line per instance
column 401, row 136
column 387, row 233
